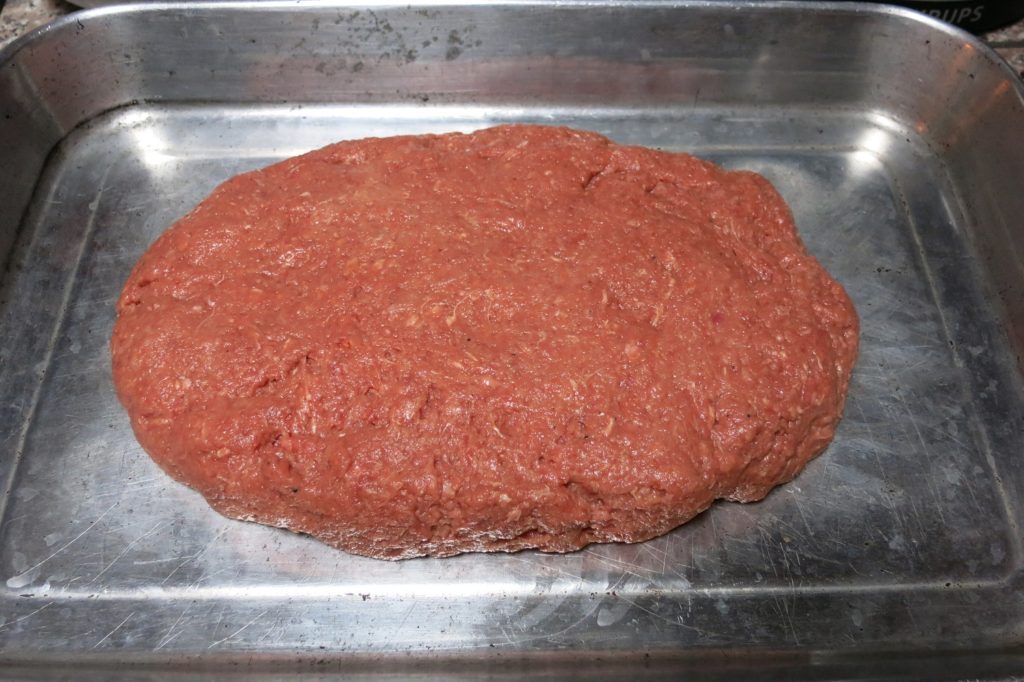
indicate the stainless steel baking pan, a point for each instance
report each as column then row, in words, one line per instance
column 899, row 143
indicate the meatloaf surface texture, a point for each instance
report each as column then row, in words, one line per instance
column 522, row 337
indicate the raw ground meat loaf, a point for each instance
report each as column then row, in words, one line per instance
column 523, row 337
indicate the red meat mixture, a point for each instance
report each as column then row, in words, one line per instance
column 523, row 337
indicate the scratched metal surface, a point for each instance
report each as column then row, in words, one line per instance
column 903, row 538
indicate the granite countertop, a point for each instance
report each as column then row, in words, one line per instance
column 21, row 16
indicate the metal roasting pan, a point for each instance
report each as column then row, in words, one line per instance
column 898, row 142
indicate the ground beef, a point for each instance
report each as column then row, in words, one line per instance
column 523, row 337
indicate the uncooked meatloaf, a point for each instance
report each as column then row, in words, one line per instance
column 525, row 337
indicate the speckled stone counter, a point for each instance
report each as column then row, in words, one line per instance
column 21, row 16
column 1009, row 42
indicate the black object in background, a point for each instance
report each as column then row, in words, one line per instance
column 976, row 17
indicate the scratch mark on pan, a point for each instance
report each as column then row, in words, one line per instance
column 27, row 615
column 107, row 636
column 167, row 635
column 974, row 497
column 147, row 562
column 920, row 523
column 397, row 630
column 887, row 499
column 913, row 422
column 550, row 636
column 70, row 542
column 803, row 518
column 910, row 613
column 167, row 641
column 788, row 615
column 274, row 628
column 533, row 564
column 122, row 491
column 656, row 554
column 938, row 499
column 238, row 631
column 627, row 567
column 508, row 637
column 7, row 522
column 765, row 546
column 673, row 622
column 195, row 556
column 127, row 549
column 207, row 577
